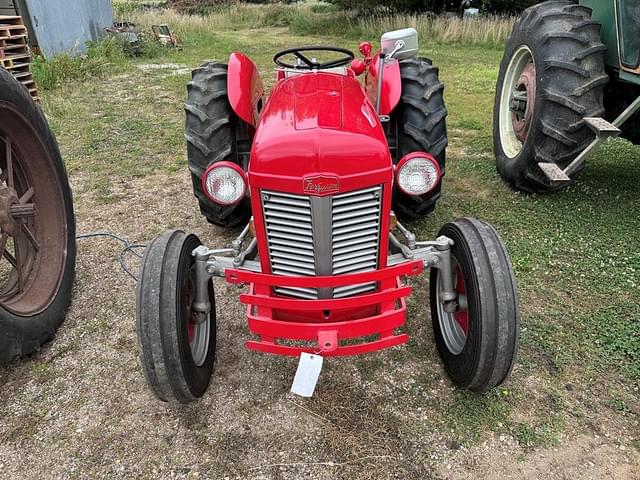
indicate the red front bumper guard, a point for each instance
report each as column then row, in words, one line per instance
column 332, row 338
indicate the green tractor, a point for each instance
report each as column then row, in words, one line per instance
column 569, row 79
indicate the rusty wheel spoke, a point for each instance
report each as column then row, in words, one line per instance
column 26, row 196
column 19, row 266
column 9, row 168
column 32, row 238
column 10, row 258
column 3, row 242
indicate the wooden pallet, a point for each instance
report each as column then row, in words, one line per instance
column 15, row 55
column 11, row 26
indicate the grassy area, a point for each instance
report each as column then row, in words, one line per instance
column 313, row 18
column 576, row 253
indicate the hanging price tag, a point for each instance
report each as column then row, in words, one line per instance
column 309, row 366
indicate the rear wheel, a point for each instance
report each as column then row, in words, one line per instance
column 419, row 125
column 478, row 341
column 214, row 133
column 177, row 351
column 551, row 77
column 37, row 239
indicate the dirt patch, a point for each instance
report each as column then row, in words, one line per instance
column 172, row 69
column 581, row 457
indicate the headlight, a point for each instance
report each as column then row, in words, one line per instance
column 224, row 183
column 418, row 173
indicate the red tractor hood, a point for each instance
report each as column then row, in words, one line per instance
column 319, row 124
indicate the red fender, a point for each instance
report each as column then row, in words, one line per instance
column 391, row 84
column 244, row 88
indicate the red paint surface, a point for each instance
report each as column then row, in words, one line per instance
column 388, row 314
column 391, row 84
column 319, row 134
column 461, row 316
column 244, row 87
column 319, row 123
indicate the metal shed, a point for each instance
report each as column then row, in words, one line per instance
column 61, row 26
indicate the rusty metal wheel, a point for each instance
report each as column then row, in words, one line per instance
column 37, row 227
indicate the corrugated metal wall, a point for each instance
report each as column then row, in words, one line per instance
column 61, row 26
column 65, row 26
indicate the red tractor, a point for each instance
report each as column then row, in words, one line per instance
column 312, row 176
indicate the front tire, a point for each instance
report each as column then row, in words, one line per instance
column 478, row 342
column 177, row 353
column 551, row 77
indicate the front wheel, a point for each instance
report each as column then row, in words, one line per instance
column 478, row 341
column 177, row 351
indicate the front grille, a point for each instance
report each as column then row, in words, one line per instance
column 356, row 234
column 288, row 222
column 298, row 239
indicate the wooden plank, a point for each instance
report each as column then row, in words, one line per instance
column 9, row 30
column 10, row 65
column 14, row 49
column 17, row 56
column 11, row 20
column 21, row 68
column 22, row 36
column 14, row 40
column 22, row 76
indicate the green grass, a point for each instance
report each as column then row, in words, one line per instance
column 576, row 253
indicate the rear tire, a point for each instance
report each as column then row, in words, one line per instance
column 568, row 57
column 30, row 317
column 420, row 125
column 177, row 355
column 478, row 343
column 214, row 133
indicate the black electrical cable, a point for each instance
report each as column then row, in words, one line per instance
column 128, row 247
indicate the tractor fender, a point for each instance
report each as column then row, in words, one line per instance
column 244, row 88
column 391, row 84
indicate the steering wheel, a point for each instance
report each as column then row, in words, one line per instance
column 308, row 64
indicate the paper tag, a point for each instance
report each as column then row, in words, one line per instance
column 304, row 383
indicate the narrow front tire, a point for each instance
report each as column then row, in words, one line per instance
column 478, row 342
column 176, row 351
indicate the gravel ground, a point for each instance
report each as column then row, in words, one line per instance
column 80, row 408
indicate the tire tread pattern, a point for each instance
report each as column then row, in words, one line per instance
column 569, row 57
column 166, row 361
column 210, row 133
column 487, row 361
column 421, row 121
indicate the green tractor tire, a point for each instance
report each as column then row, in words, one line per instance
column 551, row 77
